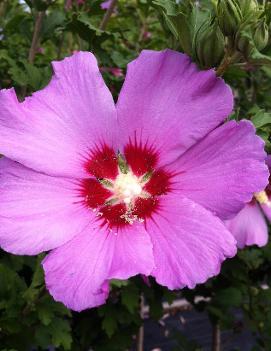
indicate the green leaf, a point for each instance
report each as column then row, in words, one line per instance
column 51, row 22
column 10, row 283
column 45, row 315
column 229, row 297
column 23, row 73
column 171, row 8
column 183, row 20
column 37, row 284
column 130, row 297
column 118, row 283
column 109, row 324
column 265, row 135
column 18, row 75
column 36, row 77
column 61, row 333
column 247, row 47
column 261, row 119
column 83, row 26
column 253, row 258
column 179, row 20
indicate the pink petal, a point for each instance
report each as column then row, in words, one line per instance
column 249, row 226
column 54, row 130
column 189, row 243
column 133, row 252
column 223, row 170
column 268, row 161
column 166, row 101
column 38, row 212
column 267, row 210
column 77, row 273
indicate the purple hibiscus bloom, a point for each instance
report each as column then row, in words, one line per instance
column 249, row 226
column 105, row 4
column 136, row 188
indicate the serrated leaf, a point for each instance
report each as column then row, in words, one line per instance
column 51, row 22
column 82, row 25
column 61, row 333
column 45, row 315
column 18, row 75
column 37, row 78
column 253, row 258
column 11, row 283
column 109, row 324
column 130, row 297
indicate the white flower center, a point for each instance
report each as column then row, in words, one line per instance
column 127, row 187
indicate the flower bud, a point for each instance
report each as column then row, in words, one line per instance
column 229, row 16
column 261, row 35
column 248, row 7
column 243, row 42
column 251, row 37
column 209, row 44
column 254, row 291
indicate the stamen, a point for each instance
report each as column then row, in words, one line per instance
column 111, row 202
column 106, row 183
column 130, row 218
column 146, row 177
column 262, row 198
column 122, row 164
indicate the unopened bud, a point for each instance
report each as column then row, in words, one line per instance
column 229, row 16
column 248, row 7
column 254, row 291
column 261, row 325
column 261, row 35
column 209, row 44
column 243, row 42
column 251, row 37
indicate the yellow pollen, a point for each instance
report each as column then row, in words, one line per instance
column 262, row 198
column 127, row 187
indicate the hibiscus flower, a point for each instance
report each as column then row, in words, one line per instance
column 106, row 4
column 249, row 226
column 132, row 188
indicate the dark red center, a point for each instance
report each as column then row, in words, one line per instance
column 104, row 166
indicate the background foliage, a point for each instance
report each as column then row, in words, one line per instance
column 240, row 49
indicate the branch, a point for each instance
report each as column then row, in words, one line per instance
column 140, row 336
column 35, row 38
column 108, row 14
column 216, row 346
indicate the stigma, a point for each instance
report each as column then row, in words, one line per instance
column 127, row 187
